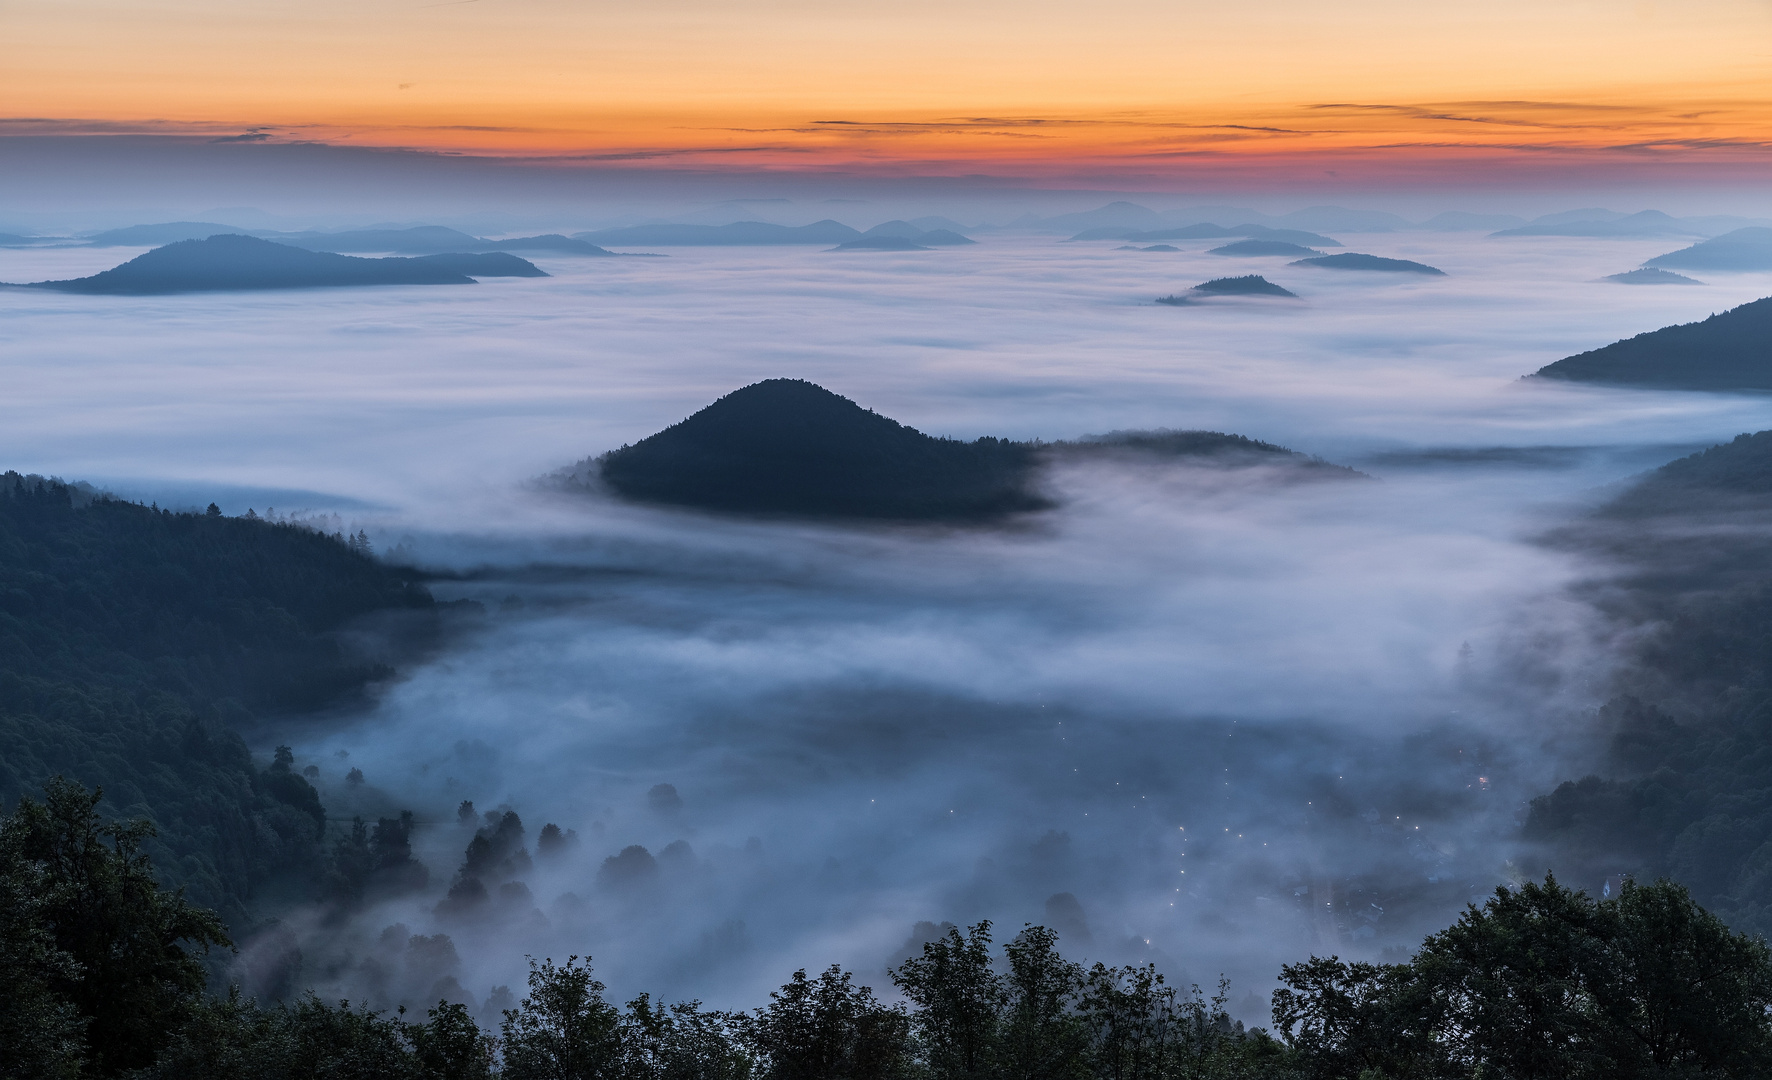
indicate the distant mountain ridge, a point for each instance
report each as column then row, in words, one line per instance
column 418, row 240
column 1645, row 224
column 1207, row 231
column 1262, row 248
column 1743, row 249
column 739, row 233
column 1355, row 261
column 229, row 262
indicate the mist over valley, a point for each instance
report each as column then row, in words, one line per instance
column 1267, row 655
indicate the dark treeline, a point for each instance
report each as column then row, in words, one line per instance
column 103, row 977
column 134, row 643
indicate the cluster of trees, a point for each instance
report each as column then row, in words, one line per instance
column 133, row 643
column 103, row 977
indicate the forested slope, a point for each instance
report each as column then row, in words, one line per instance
column 133, row 641
column 1687, row 789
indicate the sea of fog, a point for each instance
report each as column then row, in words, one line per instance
column 1214, row 721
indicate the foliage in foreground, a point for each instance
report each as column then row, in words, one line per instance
column 103, row 978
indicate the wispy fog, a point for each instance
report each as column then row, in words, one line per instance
column 1236, row 719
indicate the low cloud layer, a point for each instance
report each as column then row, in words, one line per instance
column 1233, row 721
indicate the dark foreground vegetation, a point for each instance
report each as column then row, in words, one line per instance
column 103, row 978
column 1730, row 351
column 136, row 642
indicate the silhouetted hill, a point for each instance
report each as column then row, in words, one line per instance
column 1352, row 261
column 1743, row 249
column 1731, row 351
column 1650, row 276
column 480, row 264
column 787, row 446
column 880, row 243
column 1463, row 221
column 422, row 240
column 1647, row 223
column 234, row 263
column 1122, row 214
column 904, row 230
column 1262, row 247
column 1247, row 285
column 1207, row 231
column 549, row 242
column 741, row 233
column 170, row 232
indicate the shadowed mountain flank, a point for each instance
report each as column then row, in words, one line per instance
column 790, row 447
column 1733, row 476
column 169, row 232
column 232, row 263
column 1731, row 351
column 1263, row 247
column 881, row 243
column 1353, row 261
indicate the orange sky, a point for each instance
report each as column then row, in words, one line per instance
column 913, row 84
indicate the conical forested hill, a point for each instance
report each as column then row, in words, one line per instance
column 787, row 446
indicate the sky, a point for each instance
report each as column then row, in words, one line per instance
column 1272, row 92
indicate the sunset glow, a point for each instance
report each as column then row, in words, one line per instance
column 917, row 87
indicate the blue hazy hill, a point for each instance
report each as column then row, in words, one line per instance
column 170, row 232
column 1355, row 261
column 904, row 230
column 1651, row 276
column 229, row 263
column 421, row 240
column 1208, row 231
column 1743, row 249
column 1644, row 224
column 1262, row 247
column 739, row 233
column 880, row 243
